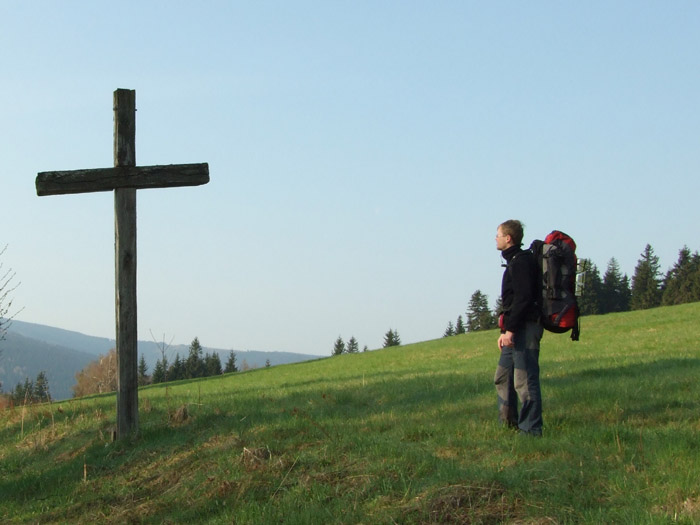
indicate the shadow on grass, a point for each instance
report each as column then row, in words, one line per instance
column 663, row 390
column 311, row 413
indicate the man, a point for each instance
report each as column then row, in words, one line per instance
column 518, row 371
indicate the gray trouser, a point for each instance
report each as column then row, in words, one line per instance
column 518, row 376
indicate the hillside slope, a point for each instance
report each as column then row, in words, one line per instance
column 23, row 358
column 401, row 435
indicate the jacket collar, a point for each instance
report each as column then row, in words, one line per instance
column 509, row 253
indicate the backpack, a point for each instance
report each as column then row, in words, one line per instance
column 556, row 263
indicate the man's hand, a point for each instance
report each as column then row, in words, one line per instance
column 505, row 340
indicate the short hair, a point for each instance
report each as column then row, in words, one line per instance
column 515, row 229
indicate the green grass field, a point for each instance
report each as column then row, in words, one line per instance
column 400, row 435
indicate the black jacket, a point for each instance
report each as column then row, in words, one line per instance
column 519, row 288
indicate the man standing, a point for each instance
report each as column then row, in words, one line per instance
column 518, row 371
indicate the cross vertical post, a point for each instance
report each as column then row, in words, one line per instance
column 125, row 265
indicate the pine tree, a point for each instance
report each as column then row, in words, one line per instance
column 625, row 294
column 479, row 316
column 231, row 363
column 616, row 291
column 212, row 365
column 216, row 364
column 194, row 366
column 498, row 308
column 460, row 329
column 339, row 346
column 352, row 346
column 449, row 331
column 160, row 370
column 679, row 284
column 646, row 290
column 391, row 338
column 177, row 369
column 24, row 393
column 590, row 301
column 695, row 278
column 19, row 394
column 41, row 388
column 143, row 371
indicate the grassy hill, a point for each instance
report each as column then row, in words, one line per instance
column 401, row 435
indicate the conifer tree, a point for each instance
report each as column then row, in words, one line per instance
column 391, row 338
column 216, row 364
column 339, row 346
column 22, row 393
column 194, row 366
column 680, row 284
column 460, row 329
column 625, row 293
column 449, row 331
column 352, row 346
column 41, row 388
column 616, row 291
column 695, row 278
column 479, row 316
column 498, row 308
column 177, row 369
column 231, row 363
column 646, row 286
column 212, row 365
column 590, row 301
column 142, row 371
column 160, row 370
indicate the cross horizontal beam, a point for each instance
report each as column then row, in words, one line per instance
column 108, row 179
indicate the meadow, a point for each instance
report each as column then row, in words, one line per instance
column 399, row 435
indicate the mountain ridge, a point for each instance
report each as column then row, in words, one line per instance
column 30, row 348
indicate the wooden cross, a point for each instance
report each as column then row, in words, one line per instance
column 125, row 178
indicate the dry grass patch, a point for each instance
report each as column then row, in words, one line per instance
column 462, row 504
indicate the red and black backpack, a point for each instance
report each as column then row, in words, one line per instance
column 556, row 264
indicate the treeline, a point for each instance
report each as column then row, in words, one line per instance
column 196, row 364
column 614, row 292
column 31, row 392
column 101, row 375
column 391, row 338
column 648, row 288
column 479, row 316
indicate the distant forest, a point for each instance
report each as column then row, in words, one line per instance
column 614, row 292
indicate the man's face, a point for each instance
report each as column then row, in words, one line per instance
column 502, row 241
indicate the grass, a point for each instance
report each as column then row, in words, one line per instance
column 401, row 435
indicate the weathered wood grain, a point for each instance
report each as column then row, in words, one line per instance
column 108, row 179
column 124, row 179
column 125, row 266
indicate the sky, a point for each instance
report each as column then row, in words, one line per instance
column 361, row 155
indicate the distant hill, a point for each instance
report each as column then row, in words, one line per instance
column 31, row 348
column 23, row 357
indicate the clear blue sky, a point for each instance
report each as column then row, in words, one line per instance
column 361, row 156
